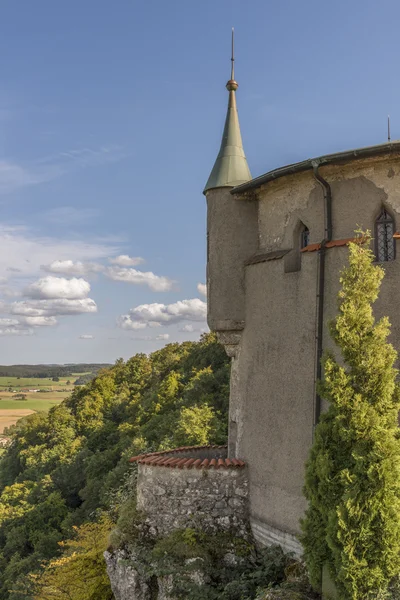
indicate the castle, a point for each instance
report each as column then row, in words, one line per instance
column 275, row 248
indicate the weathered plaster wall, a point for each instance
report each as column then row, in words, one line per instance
column 276, row 379
column 274, row 366
column 211, row 499
column 231, row 238
column 285, row 202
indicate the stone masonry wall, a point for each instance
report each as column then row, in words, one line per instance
column 210, row 499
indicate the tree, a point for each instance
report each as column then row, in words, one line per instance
column 352, row 484
column 194, row 426
column 80, row 572
column 65, row 466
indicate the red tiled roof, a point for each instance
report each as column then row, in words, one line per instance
column 166, row 459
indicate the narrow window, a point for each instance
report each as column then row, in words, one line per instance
column 385, row 248
column 304, row 237
column 301, row 239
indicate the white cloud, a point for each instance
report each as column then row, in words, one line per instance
column 150, row 315
column 14, row 175
column 125, row 322
column 39, row 321
column 58, row 287
column 5, row 322
column 9, row 292
column 155, row 282
column 53, row 307
column 188, row 328
column 202, row 289
column 123, row 260
column 23, row 252
column 70, row 267
column 148, row 338
column 86, row 336
column 15, row 331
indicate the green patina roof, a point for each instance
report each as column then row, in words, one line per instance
column 230, row 168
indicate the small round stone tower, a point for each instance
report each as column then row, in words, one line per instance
column 231, row 238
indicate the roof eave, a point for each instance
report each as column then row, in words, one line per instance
column 305, row 165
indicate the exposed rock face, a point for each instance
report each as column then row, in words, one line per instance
column 126, row 583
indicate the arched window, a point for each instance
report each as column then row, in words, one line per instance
column 385, row 248
column 301, row 239
column 304, row 237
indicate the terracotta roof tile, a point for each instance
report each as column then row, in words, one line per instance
column 338, row 243
column 237, row 463
column 331, row 244
column 173, row 462
column 167, row 458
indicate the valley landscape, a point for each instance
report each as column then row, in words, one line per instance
column 23, row 393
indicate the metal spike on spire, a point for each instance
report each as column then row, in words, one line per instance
column 233, row 55
column 230, row 168
column 388, row 128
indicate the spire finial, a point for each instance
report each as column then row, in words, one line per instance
column 233, row 55
column 232, row 85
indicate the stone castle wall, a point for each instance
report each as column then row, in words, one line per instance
column 210, row 499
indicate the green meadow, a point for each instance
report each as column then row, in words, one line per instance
column 51, row 393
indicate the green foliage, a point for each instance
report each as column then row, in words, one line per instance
column 83, row 379
column 186, row 552
column 65, row 467
column 194, row 426
column 353, row 473
column 79, row 573
column 128, row 528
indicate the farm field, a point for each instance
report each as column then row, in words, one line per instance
column 37, row 382
column 9, row 417
column 12, row 409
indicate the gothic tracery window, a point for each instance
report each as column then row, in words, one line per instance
column 385, row 247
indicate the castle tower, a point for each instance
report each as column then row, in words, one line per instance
column 231, row 238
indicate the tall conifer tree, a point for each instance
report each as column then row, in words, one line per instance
column 352, row 485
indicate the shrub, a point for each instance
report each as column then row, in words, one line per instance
column 128, row 528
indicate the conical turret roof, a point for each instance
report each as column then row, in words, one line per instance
column 230, row 168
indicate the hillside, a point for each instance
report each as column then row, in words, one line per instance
column 66, row 468
column 49, row 371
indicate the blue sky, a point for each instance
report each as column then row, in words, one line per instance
column 111, row 115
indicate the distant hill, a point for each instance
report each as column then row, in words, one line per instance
column 44, row 371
